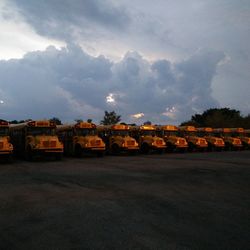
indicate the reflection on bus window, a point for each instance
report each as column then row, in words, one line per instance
column 85, row 132
column 4, row 131
column 120, row 132
column 169, row 133
column 148, row 132
column 40, row 131
column 191, row 133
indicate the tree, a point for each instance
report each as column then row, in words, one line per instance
column 89, row 120
column 147, row 123
column 78, row 120
column 56, row 120
column 110, row 118
column 223, row 117
column 16, row 122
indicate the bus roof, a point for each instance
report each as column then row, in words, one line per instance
column 147, row 127
column 37, row 123
column 188, row 128
column 113, row 127
column 238, row 130
column 168, row 128
column 120, row 127
column 78, row 125
column 222, row 130
column 205, row 129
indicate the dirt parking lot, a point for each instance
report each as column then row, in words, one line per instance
column 170, row 201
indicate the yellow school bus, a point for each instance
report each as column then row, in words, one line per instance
column 214, row 143
column 80, row 138
column 194, row 141
column 170, row 134
column 231, row 142
column 118, row 139
column 247, row 134
column 147, row 139
column 36, row 138
column 242, row 134
column 6, row 148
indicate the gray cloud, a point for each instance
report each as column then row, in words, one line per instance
column 70, row 84
column 65, row 19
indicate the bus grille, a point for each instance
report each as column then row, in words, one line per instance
column 202, row 141
column 220, row 142
column 159, row 142
column 49, row 144
column 95, row 143
column 182, row 141
column 130, row 143
column 237, row 141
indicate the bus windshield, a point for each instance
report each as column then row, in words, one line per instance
column 120, row 132
column 4, row 131
column 85, row 131
column 190, row 133
column 148, row 132
column 40, row 131
column 169, row 133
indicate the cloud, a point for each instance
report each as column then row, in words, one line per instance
column 65, row 19
column 69, row 83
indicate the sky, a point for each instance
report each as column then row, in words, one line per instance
column 160, row 61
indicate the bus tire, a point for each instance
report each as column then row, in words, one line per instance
column 28, row 154
column 145, row 148
column 78, row 151
column 115, row 149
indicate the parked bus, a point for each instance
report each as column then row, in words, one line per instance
column 80, row 138
column 242, row 134
column 6, row 148
column 195, row 142
column 118, row 139
column 170, row 134
column 36, row 138
column 147, row 139
column 214, row 143
column 247, row 134
column 231, row 142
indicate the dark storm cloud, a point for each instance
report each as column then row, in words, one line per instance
column 69, row 83
column 61, row 18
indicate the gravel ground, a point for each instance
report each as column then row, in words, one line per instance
column 169, row 201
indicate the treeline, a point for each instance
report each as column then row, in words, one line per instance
column 219, row 118
column 216, row 118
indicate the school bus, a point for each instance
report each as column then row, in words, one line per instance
column 80, row 138
column 242, row 134
column 231, row 142
column 194, row 141
column 118, row 139
column 170, row 134
column 147, row 139
column 6, row 148
column 247, row 134
column 214, row 143
column 36, row 138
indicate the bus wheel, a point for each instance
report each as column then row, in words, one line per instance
column 100, row 154
column 28, row 154
column 115, row 149
column 145, row 148
column 191, row 147
column 58, row 157
column 78, row 151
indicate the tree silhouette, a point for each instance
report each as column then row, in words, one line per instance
column 223, row 117
column 110, row 118
column 56, row 120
